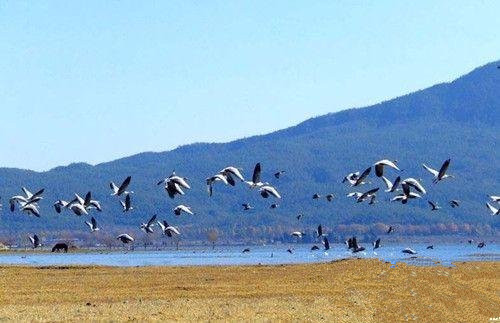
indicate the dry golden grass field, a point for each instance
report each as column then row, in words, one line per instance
column 343, row 291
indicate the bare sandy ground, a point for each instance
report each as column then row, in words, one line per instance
column 344, row 291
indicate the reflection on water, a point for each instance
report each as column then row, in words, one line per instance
column 265, row 255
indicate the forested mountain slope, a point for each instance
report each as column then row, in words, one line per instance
column 457, row 120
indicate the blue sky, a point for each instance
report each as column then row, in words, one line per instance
column 94, row 81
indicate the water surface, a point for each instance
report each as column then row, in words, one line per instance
column 266, row 255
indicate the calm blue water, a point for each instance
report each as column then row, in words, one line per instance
column 266, row 255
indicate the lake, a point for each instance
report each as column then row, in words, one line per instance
column 445, row 254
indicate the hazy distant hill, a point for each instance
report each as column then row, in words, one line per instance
column 459, row 120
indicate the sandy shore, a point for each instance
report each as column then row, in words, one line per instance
column 344, row 291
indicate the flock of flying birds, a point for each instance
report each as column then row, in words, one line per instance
column 405, row 190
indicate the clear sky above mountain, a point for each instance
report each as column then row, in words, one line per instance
column 93, row 81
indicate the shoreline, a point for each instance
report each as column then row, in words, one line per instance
column 411, row 262
column 351, row 290
column 232, row 256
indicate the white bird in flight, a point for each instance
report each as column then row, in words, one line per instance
column 494, row 210
column 268, row 190
column 182, row 208
column 92, row 225
column 35, row 241
column 391, row 187
column 406, row 195
column 125, row 238
column 181, row 181
column 256, row 182
column 412, row 182
column 148, row 227
column 379, row 166
column 123, row 187
column 168, row 230
column 495, row 198
column 441, row 174
column 127, row 205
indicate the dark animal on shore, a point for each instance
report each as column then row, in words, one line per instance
column 60, row 247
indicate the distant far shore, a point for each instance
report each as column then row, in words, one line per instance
column 184, row 243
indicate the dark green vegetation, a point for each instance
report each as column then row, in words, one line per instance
column 457, row 120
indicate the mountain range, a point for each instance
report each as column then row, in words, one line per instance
column 457, row 120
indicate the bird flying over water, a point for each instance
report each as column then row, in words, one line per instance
column 167, row 229
column 279, row 173
column 123, row 187
column 232, row 171
column 59, row 205
column 92, row 225
column 27, row 203
column 87, row 203
column 434, row 206
column 407, row 194
column 391, row 187
column 148, row 227
column 174, row 178
column 30, row 208
column 35, row 241
column 268, row 190
column 379, row 166
column 319, row 231
column 360, row 180
column 125, row 238
column 441, row 174
column 182, row 208
column 127, row 205
column 355, row 246
column 224, row 178
column 77, row 208
column 329, row 197
column 256, row 182
column 326, row 243
column 173, row 188
column 495, row 198
column 351, row 178
column 174, row 184
column 367, row 194
column 494, row 211
column 415, row 184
